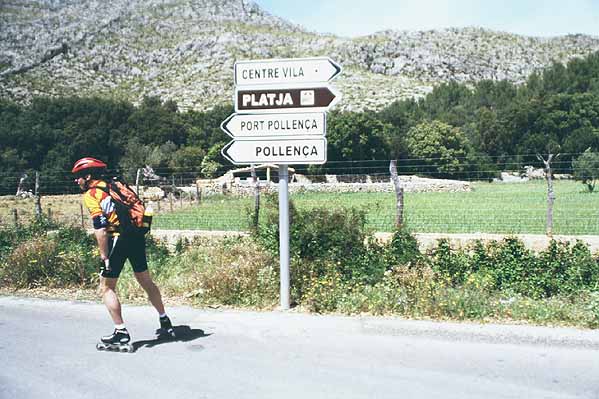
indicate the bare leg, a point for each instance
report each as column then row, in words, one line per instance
column 110, row 299
column 145, row 280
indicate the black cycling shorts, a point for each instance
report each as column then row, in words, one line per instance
column 123, row 247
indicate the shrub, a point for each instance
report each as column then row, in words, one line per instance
column 451, row 265
column 402, row 249
column 47, row 261
column 228, row 272
column 509, row 267
column 586, row 169
column 336, row 236
column 323, row 292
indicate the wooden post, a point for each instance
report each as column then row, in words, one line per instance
column 398, row 193
column 170, row 200
column 82, row 216
column 50, row 214
column 137, row 181
column 181, row 200
column 20, row 185
column 550, row 192
column 198, row 193
column 256, row 183
column 172, row 196
column 15, row 216
column 38, row 200
column 158, row 203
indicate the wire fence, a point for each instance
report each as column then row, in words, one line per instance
column 515, row 201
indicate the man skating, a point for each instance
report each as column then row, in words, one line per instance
column 116, row 246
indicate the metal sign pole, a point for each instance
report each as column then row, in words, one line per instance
column 284, row 234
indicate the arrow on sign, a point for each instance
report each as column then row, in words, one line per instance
column 298, row 70
column 308, row 150
column 299, row 99
column 261, row 125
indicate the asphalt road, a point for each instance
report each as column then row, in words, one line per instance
column 48, row 350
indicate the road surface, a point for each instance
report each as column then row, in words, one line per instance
column 48, row 351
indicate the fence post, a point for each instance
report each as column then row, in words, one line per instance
column 82, row 216
column 398, row 193
column 137, row 181
column 171, row 197
column 20, row 185
column 256, row 197
column 198, row 193
column 38, row 199
column 15, row 216
column 50, row 214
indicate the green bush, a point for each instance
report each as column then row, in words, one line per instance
column 324, row 235
column 402, row 249
column 451, row 265
column 11, row 236
column 586, row 169
column 59, row 258
column 508, row 266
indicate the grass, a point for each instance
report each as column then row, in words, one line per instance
column 518, row 208
column 514, row 208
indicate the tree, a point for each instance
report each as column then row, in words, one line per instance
column 438, row 148
column 586, row 169
column 357, row 136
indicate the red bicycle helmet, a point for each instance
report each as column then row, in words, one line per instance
column 87, row 163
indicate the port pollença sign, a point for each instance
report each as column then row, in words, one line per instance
column 275, row 125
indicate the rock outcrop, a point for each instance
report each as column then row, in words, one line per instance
column 184, row 50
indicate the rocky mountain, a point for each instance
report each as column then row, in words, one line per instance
column 185, row 50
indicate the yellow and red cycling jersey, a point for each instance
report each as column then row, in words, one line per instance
column 101, row 207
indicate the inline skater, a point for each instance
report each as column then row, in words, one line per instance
column 115, row 247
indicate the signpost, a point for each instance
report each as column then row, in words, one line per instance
column 280, row 118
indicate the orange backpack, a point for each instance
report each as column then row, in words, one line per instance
column 129, row 208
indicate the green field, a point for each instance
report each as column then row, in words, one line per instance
column 488, row 208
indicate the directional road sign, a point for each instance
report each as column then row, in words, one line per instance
column 305, row 150
column 297, row 70
column 264, row 99
column 280, row 125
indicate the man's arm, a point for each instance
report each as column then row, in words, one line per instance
column 102, row 239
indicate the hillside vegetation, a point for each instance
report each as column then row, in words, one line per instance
column 457, row 131
column 184, row 51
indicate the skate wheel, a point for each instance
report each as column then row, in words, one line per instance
column 100, row 347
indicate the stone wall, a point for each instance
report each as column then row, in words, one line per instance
column 336, row 184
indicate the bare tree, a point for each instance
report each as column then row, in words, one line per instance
column 550, row 192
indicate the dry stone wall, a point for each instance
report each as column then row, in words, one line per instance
column 411, row 184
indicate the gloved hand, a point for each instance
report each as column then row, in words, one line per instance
column 105, row 265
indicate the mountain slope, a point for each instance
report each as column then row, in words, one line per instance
column 185, row 50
